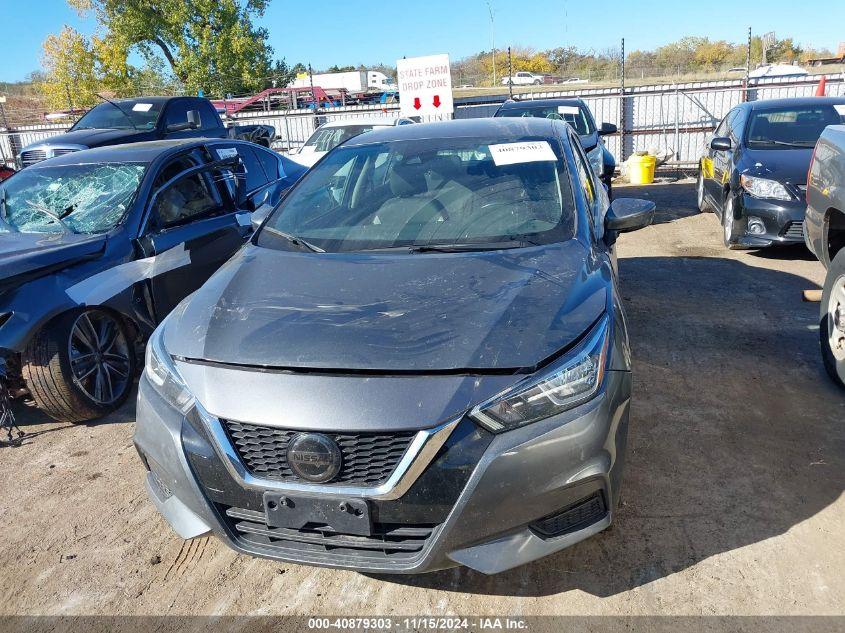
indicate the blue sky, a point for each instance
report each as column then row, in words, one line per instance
column 353, row 32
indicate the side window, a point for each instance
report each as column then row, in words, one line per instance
column 722, row 128
column 250, row 173
column 270, row 162
column 737, row 125
column 208, row 116
column 588, row 184
column 189, row 198
column 177, row 112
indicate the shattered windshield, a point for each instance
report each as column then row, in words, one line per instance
column 120, row 116
column 90, row 198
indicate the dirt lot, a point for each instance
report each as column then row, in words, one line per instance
column 732, row 501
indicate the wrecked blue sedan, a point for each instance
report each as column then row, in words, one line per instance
column 96, row 247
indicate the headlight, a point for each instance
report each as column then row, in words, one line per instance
column 566, row 384
column 596, row 156
column 764, row 188
column 163, row 375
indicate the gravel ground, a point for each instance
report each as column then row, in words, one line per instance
column 732, row 501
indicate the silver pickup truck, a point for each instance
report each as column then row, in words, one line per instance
column 824, row 232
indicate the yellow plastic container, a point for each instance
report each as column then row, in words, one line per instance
column 641, row 169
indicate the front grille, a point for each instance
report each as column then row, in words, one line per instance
column 368, row 459
column 390, row 541
column 574, row 518
column 62, row 152
column 793, row 230
column 33, row 156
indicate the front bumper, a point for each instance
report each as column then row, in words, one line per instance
column 782, row 220
column 476, row 503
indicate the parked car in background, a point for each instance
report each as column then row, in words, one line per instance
column 777, row 70
column 523, row 78
column 754, row 172
column 98, row 246
column 5, row 172
column 331, row 134
column 142, row 119
column 321, row 415
column 578, row 115
column 824, row 228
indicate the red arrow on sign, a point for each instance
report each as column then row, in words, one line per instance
column 436, row 101
column 417, row 104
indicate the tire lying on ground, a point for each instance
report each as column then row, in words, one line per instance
column 80, row 366
column 832, row 320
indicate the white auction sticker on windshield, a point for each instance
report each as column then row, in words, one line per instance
column 142, row 107
column 568, row 110
column 840, row 108
column 525, row 152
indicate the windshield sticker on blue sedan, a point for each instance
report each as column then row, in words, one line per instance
column 526, row 152
column 840, row 108
column 226, row 152
column 142, row 107
column 566, row 109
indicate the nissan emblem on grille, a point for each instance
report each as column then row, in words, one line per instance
column 314, row 457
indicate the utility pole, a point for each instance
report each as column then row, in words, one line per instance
column 622, row 103
column 510, row 73
column 747, row 67
column 311, row 80
column 492, row 37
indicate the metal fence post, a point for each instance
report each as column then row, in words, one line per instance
column 622, row 110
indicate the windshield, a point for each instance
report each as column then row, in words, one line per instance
column 330, row 137
column 468, row 192
column 792, row 127
column 89, row 198
column 574, row 115
column 122, row 116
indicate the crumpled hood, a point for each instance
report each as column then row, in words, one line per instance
column 392, row 312
column 784, row 165
column 22, row 253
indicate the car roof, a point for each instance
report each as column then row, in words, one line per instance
column 364, row 120
column 503, row 129
column 539, row 103
column 793, row 101
column 145, row 152
column 154, row 100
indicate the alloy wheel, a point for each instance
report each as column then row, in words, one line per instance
column 99, row 357
column 836, row 317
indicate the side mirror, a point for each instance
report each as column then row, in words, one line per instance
column 628, row 214
column 193, row 123
column 260, row 214
column 721, row 144
column 607, row 128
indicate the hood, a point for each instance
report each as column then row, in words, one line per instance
column 306, row 158
column 25, row 253
column 497, row 310
column 93, row 138
column 784, row 165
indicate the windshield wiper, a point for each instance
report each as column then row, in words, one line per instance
column 787, row 143
column 468, row 248
column 295, row 240
column 57, row 218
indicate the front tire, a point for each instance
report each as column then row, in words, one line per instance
column 730, row 234
column 703, row 206
column 80, row 366
column 832, row 325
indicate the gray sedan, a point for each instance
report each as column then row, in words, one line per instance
column 420, row 360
